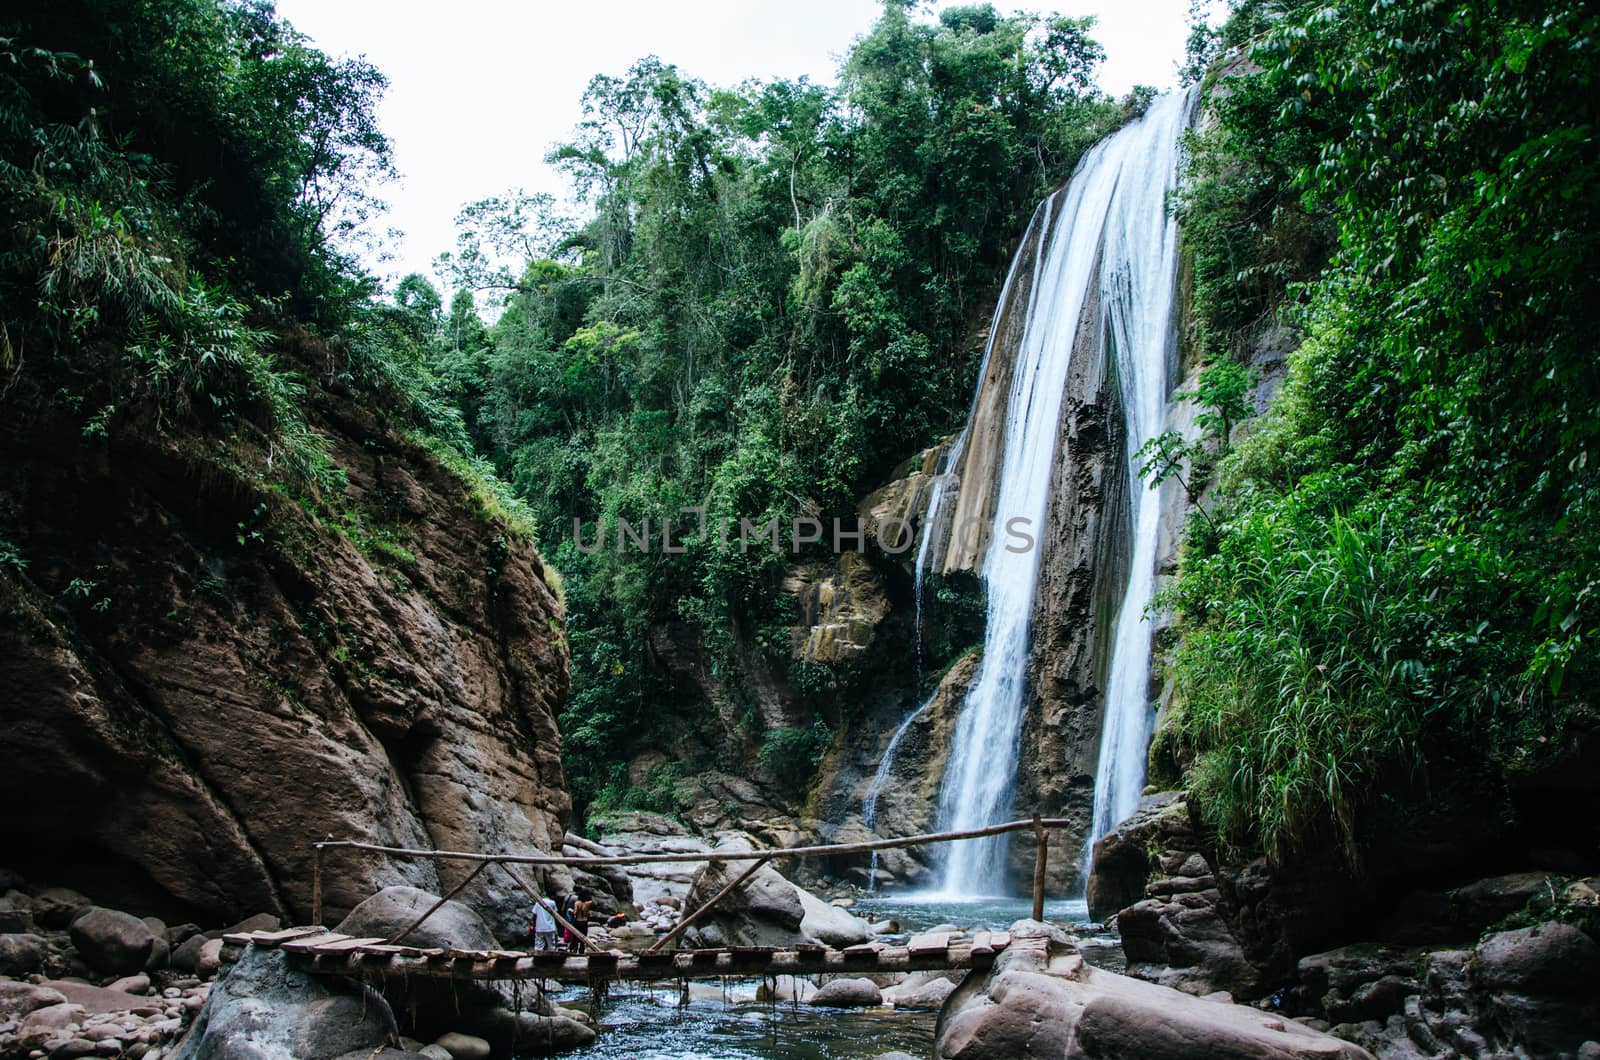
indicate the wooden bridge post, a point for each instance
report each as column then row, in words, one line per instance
column 1041, row 854
column 316, row 883
column 436, row 906
column 689, row 918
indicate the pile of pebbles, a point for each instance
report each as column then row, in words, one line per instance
column 77, row 979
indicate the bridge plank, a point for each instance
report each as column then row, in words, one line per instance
column 936, row 942
column 271, row 939
column 330, row 948
column 355, row 956
column 311, row 942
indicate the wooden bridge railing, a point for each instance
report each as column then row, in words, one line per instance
column 1039, row 826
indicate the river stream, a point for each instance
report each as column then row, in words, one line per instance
column 723, row 1021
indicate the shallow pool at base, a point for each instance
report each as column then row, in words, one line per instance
column 651, row 1026
column 921, row 910
column 641, row 1023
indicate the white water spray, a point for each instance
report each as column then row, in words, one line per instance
column 1138, row 290
column 869, row 804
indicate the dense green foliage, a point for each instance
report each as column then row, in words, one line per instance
column 778, row 297
column 1402, row 576
column 184, row 187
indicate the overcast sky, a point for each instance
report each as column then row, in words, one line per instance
column 480, row 89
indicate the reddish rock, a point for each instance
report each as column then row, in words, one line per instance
column 1041, row 1000
column 252, row 669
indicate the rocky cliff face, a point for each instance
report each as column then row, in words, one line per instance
column 203, row 673
column 909, row 797
column 1435, row 950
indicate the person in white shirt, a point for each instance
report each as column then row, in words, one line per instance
column 544, row 926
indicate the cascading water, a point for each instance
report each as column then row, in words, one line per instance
column 869, row 804
column 1107, row 227
column 1138, row 291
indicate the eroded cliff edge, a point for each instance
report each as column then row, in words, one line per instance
column 206, row 666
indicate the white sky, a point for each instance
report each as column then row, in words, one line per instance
column 480, row 89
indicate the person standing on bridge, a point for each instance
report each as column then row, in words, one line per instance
column 544, row 926
column 580, row 918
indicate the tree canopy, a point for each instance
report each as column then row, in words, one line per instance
column 777, row 297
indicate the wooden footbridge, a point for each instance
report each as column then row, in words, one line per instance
column 318, row 950
column 321, row 952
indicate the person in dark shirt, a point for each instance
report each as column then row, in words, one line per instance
column 580, row 918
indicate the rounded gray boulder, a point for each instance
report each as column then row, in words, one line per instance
column 21, row 954
column 113, row 942
column 394, row 909
column 848, row 993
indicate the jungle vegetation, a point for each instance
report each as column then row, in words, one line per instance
column 1397, row 594
column 778, row 294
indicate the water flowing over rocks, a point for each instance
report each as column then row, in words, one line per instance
column 908, row 799
column 1054, row 661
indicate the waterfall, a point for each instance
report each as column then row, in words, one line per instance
column 880, row 776
column 1138, row 291
column 1108, row 227
column 869, row 804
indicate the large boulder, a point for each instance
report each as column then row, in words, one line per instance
column 1543, row 986
column 1186, row 941
column 1433, row 917
column 56, row 907
column 1553, row 958
column 1040, row 999
column 507, row 1030
column 1490, row 900
column 186, row 956
column 765, row 910
column 464, row 1046
column 394, row 909
column 1126, row 857
column 19, row 999
column 1354, row 984
column 113, row 942
column 262, row 1010
column 919, row 993
column 21, row 954
column 16, row 914
column 828, row 924
column 847, row 993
